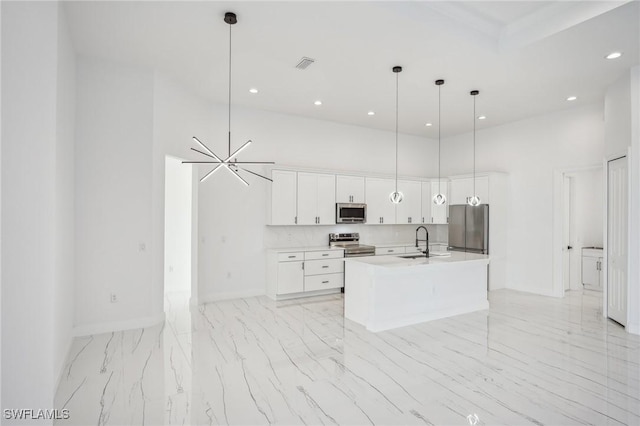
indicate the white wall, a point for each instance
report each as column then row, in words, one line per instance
column 64, row 283
column 177, row 228
column 588, row 208
column 37, row 217
column 617, row 116
column 529, row 151
column 114, row 135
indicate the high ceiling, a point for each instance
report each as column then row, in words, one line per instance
column 525, row 57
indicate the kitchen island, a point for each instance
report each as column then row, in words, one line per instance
column 385, row 292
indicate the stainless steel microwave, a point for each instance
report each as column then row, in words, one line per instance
column 351, row 213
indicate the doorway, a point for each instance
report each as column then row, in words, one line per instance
column 578, row 228
column 178, row 225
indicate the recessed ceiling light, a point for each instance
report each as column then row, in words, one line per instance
column 253, row 90
column 428, row 124
column 482, row 117
column 371, row 113
column 572, row 98
column 318, row 103
column 613, row 55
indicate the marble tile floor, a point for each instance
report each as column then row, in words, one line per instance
column 527, row 360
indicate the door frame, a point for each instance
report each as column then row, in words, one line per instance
column 557, row 287
column 605, row 235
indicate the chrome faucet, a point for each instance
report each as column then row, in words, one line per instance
column 426, row 231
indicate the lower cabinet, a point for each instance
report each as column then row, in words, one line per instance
column 290, row 277
column 390, row 250
column 298, row 274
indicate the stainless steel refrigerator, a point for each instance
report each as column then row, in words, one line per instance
column 469, row 228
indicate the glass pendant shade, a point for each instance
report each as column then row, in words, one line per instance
column 396, row 197
column 439, row 199
column 474, row 201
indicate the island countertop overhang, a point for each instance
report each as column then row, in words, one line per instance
column 398, row 262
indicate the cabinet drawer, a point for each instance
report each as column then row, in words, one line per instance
column 323, row 282
column 390, row 250
column 329, row 254
column 290, row 257
column 316, row 267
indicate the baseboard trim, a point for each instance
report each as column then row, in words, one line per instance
column 216, row 297
column 108, row 327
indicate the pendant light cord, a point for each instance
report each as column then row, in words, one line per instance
column 397, row 132
column 439, row 155
column 474, row 146
column 229, row 123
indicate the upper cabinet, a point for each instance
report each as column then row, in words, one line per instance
column 349, row 189
column 462, row 189
column 283, row 198
column 410, row 209
column 380, row 210
column 439, row 212
column 316, row 197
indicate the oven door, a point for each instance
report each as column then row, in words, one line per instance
column 351, row 213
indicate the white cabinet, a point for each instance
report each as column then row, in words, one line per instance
column 380, row 209
column 349, row 189
column 283, row 198
column 592, row 268
column 462, row 189
column 303, row 273
column 316, row 199
column 426, row 202
column 410, row 209
column 395, row 250
column 439, row 213
column 290, row 277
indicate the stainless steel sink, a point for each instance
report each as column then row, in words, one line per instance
column 414, row 256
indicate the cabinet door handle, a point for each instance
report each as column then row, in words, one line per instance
column 295, row 220
column 325, row 282
column 423, row 219
column 325, row 254
column 382, row 219
column 431, row 219
column 325, row 266
column 302, row 265
column 390, row 251
column 292, row 257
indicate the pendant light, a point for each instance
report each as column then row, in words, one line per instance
column 439, row 198
column 396, row 196
column 230, row 163
column 474, row 200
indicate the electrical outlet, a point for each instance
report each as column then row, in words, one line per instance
column 113, row 298
column 142, row 247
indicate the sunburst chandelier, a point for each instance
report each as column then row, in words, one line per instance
column 230, row 163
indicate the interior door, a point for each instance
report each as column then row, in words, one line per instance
column 617, row 211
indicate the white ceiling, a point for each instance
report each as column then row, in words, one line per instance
column 524, row 57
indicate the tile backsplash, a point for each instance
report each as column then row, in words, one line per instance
column 314, row 236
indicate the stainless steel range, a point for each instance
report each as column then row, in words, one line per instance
column 350, row 242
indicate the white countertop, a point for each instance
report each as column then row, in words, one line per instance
column 405, row 244
column 294, row 249
column 394, row 262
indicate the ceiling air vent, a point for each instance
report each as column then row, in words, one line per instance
column 304, row 63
